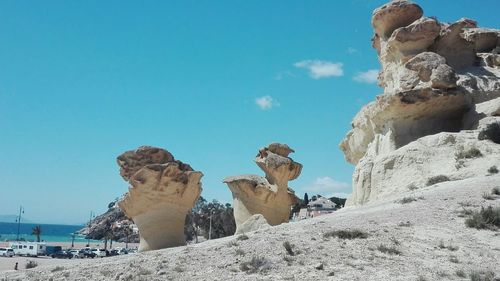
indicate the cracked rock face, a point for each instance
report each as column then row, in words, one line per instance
column 437, row 78
column 269, row 196
column 162, row 190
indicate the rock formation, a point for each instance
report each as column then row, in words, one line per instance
column 441, row 88
column 269, row 196
column 162, row 191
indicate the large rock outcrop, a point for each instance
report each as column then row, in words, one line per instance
column 269, row 196
column 440, row 83
column 162, row 191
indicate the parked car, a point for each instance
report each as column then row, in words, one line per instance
column 7, row 252
column 77, row 254
column 87, row 253
column 62, row 255
column 49, row 250
column 100, row 253
column 114, row 252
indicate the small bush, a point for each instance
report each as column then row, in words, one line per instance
column 406, row 200
column 437, row 179
column 388, row 250
column 493, row 170
column 495, row 191
column 487, row 218
column 232, row 243
column 449, row 247
column 482, row 276
column 454, row 259
column 412, row 187
column 31, row 264
column 57, row 268
column 468, row 154
column 288, row 248
column 242, row 237
column 487, row 196
column 491, row 132
column 347, row 234
column 256, row 264
column 460, row 273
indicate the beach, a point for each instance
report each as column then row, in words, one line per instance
column 7, row 264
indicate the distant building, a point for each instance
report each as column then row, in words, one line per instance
column 319, row 206
column 322, row 204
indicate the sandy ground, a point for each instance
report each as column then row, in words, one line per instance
column 429, row 239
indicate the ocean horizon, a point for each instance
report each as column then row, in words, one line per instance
column 50, row 232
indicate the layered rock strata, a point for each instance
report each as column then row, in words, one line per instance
column 438, row 78
column 162, row 190
column 269, row 196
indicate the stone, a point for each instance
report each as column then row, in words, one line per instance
column 268, row 196
column 441, row 89
column 162, row 191
column 393, row 15
column 253, row 223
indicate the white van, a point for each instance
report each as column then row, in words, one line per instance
column 28, row 248
column 6, row 252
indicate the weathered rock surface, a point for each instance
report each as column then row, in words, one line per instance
column 254, row 223
column 269, row 196
column 162, row 191
column 437, row 78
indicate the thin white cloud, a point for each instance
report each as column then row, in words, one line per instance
column 328, row 187
column 369, row 77
column 284, row 74
column 351, row 50
column 266, row 102
column 321, row 69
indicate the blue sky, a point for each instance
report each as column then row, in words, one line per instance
column 211, row 81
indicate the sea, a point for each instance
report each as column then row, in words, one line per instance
column 50, row 232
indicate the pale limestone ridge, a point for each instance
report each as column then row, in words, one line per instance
column 162, row 190
column 269, row 196
column 437, row 78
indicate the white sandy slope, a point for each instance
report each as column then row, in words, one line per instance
column 433, row 218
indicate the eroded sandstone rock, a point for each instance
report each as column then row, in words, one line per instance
column 433, row 75
column 162, row 191
column 269, row 196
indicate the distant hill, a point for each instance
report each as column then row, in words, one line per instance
column 13, row 218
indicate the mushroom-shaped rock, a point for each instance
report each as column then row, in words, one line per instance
column 393, row 15
column 269, row 196
column 162, row 191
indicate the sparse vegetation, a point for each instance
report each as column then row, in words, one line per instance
column 288, row 248
column 242, row 237
column 31, row 264
column 406, row 200
column 482, row 276
column 437, row 179
column 391, row 250
column 488, row 196
column 240, row 252
column 412, row 187
column 347, row 234
column 486, row 218
column 57, row 268
column 468, row 154
column 256, row 264
column 233, row 243
column 460, row 273
column 493, row 170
